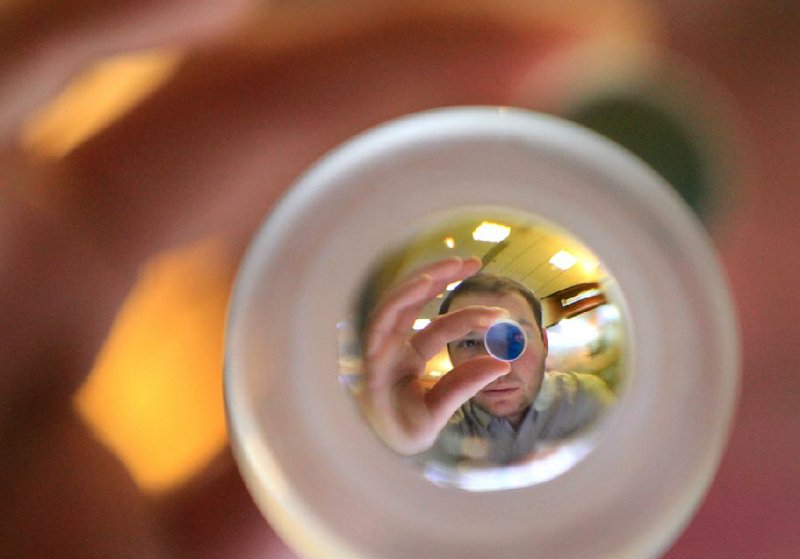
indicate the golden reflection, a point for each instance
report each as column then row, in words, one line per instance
column 155, row 394
column 97, row 97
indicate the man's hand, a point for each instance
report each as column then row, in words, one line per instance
column 405, row 416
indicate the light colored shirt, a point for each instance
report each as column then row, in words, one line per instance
column 566, row 403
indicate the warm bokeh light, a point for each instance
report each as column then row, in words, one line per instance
column 155, row 395
column 99, row 96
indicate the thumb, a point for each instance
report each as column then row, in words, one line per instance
column 461, row 384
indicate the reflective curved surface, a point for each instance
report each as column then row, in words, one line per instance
column 485, row 348
column 505, row 340
column 330, row 280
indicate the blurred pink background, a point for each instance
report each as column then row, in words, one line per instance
column 154, row 396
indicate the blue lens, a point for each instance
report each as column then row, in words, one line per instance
column 505, row 340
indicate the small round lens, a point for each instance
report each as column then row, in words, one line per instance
column 505, row 340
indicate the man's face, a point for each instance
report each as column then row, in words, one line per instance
column 512, row 394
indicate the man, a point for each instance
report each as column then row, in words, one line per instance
column 504, row 421
column 484, row 411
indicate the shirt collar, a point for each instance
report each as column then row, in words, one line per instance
column 484, row 418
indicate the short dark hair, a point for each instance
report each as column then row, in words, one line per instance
column 494, row 285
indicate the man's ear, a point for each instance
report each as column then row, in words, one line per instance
column 544, row 340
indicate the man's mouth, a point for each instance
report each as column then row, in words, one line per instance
column 500, row 390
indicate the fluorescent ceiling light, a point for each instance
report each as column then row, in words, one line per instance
column 420, row 323
column 452, row 286
column 563, row 260
column 491, row 232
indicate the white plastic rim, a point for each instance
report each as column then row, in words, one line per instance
column 312, row 464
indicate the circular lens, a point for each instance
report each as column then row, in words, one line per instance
column 505, row 340
column 330, row 487
column 565, row 335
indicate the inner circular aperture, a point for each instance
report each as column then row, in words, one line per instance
column 562, row 337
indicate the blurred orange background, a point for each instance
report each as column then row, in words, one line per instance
column 155, row 394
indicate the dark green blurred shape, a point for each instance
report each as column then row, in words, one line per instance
column 659, row 137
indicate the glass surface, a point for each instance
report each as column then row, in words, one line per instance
column 485, row 349
column 342, row 254
column 505, row 340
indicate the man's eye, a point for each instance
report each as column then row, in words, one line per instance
column 468, row 344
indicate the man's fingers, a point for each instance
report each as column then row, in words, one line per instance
column 437, row 272
column 462, row 383
column 449, row 327
column 385, row 319
column 447, row 268
column 389, row 359
column 398, row 310
column 440, row 281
